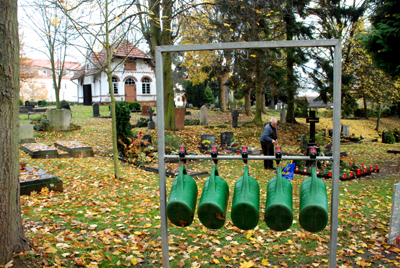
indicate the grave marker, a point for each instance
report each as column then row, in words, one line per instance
column 312, row 120
column 39, row 150
column 235, row 116
column 75, row 149
column 208, row 137
column 151, row 124
column 346, row 130
column 26, row 133
column 226, row 138
column 34, row 179
column 203, row 115
column 283, row 117
column 96, row 110
column 232, row 106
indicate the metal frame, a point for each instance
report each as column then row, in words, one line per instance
column 337, row 74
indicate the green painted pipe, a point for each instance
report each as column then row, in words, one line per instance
column 314, row 212
column 182, row 199
column 213, row 201
column 246, row 202
column 279, row 206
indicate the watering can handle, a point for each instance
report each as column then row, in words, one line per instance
column 314, row 181
column 181, row 181
column 245, row 185
column 279, row 183
column 212, row 183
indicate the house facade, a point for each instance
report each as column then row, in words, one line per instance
column 40, row 85
column 133, row 77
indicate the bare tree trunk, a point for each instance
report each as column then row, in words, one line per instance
column 378, row 120
column 264, row 109
column 12, row 238
column 258, row 118
column 223, row 79
column 247, row 100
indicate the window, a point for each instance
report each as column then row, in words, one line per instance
column 44, row 71
column 129, row 81
column 146, row 86
column 114, row 81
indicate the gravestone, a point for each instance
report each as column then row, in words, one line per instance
column 235, row 116
column 212, row 106
column 190, row 105
column 39, row 103
column 74, row 149
column 232, row 106
column 330, row 132
column 26, row 133
column 312, row 120
column 96, row 110
column 65, row 105
column 151, row 124
column 59, row 119
column 145, row 109
column 39, row 150
column 394, row 228
column 203, row 115
column 147, row 138
column 180, row 118
column 283, row 117
column 27, row 103
column 208, row 137
column 384, row 134
column 226, row 138
column 34, row 179
column 324, row 132
column 346, row 130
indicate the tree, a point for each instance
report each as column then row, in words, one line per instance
column 54, row 31
column 383, row 40
column 108, row 32
column 157, row 19
column 12, row 238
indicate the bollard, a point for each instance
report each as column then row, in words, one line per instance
column 213, row 201
column 182, row 199
column 279, row 206
column 314, row 212
column 246, row 202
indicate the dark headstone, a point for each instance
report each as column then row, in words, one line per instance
column 39, row 103
column 312, row 120
column 226, row 138
column 64, row 105
column 384, row 134
column 232, row 106
column 27, row 103
column 96, row 110
column 151, row 124
column 330, row 132
column 235, row 116
column 208, row 137
column 34, row 179
column 147, row 138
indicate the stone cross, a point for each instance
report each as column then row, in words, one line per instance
column 151, row 124
column 235, row 116
column 312, row 120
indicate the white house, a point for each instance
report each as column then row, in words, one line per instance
column 133, row 79
column 42, row 68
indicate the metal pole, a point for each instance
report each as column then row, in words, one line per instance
column 337, row 84
column 250, row 157
column 161, row 156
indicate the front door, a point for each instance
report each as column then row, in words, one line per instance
column 130, row 93
column 87, row 94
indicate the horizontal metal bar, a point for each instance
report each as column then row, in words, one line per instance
column 246, row 45
column 250, row 157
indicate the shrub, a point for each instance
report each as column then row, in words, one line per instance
column 41, row 123
column 385, row 112
column 64, row 105
column 124, row 127
column 44, row 103
column 142, row 122
column 209, row 96
column 300, row 107
column 396, row 134
column 21, row 103
column 360, row 112
column 327, row 113
column 389, row 137
column 135, row 105
column 192, row 122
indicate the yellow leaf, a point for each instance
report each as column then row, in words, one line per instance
column 265, row 262
column 253, row 55
column 216, row 261
column 51, row 250
column 134, row 261
column 247, row 264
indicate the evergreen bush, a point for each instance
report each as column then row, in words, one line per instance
column 124, row 127
column 135, row 105
column 390, row 137
column 142, row 122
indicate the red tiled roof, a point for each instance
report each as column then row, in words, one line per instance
column 68, row 65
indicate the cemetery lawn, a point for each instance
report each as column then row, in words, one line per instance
column 99, row 221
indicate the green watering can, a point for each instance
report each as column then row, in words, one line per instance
column 314, row 213
column 246, row 202
column 213, row 201
column 279, row 207
column 182, row 199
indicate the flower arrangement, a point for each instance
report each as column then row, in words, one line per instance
column 205, row 143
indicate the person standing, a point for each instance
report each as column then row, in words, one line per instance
column 268, row 138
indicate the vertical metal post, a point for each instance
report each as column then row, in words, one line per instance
column 337, row 94
column 161, row 156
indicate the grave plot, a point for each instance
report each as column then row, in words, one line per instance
column 74, row 149
column 34, row 179
column 40, row 150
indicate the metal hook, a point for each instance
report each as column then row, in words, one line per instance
column 246, row 57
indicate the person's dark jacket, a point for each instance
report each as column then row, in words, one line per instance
column 269, row 133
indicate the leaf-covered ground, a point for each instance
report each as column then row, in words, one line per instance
column 99, row 221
